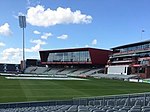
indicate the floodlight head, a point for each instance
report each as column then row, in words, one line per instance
column 22, row 21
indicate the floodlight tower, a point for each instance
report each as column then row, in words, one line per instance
column 22, row 24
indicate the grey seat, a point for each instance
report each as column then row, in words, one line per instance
column 121, row 111
column 83, row 111
column 135, row 110
column 146, row 110
column 111, row 110
column 99, row 111
column 124, row 109
column 145, row 107
column 117, row 107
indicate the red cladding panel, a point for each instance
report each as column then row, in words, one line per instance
column 99, row 56
column 44, row 55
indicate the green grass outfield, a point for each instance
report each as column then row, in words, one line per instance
column 39, row 90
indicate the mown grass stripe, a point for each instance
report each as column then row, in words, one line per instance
column 38, row 90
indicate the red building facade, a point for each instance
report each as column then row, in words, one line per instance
column 75, row 56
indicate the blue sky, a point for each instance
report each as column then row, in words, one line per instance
column 55, row 24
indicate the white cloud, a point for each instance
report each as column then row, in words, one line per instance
column 36, row 32
column 5, row 30
column 46, row 35
column 40, row 42
column 37, row 47
column 86, row 45
column 2, row 44
column 39, row 16
column 14, row 55
column 94, row 42
column 63, row 37
column 11, row 55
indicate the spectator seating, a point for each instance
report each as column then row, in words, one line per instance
column 39, row 70
column 114, row 76
column 53, row 71
column 117, row 103
column 47, row 71
column 60, row 71
column 67, row 71
column 75, row 72
column 79, row 72
column 30, row 69
column 92, row 71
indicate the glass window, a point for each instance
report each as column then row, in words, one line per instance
column 66, row 56
column 80, row 56
column 134, row 48
column 76, row 56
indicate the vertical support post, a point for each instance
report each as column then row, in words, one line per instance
column 103, row 101
column 23, row 52
column 22, row 24
column 144, row 99
column 128, row 104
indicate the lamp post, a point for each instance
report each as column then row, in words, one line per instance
column 22, row 24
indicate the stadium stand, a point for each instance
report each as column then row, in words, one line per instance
column 53, row 71
column 92, row 71
column 30, row 69
column 9, row 68
column 79, row 72
column 39, row 70
column 116, row 103
column 67, row 71
column 114, row 76
column 1, row 68
column 47, row 71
